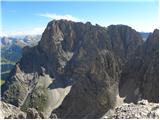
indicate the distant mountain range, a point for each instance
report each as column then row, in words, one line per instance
column 11, row 51
column 145, row 35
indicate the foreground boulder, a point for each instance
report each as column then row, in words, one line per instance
column 10, row 111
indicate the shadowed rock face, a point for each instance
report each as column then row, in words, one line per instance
column 74, row 70
column 140, row 74
column 97, row 77
column 124, row 40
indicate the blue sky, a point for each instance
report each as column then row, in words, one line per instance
column 28, row 17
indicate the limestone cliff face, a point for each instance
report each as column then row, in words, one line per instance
column 96, row 69
column 124, row 40
column 74, row 70
column 140, row 74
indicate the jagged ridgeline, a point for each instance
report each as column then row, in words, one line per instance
column 76, row 70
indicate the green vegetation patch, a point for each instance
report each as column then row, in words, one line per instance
column 2, row 82
column 37, row 99
column 15, row 92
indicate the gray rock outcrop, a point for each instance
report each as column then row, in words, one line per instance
column 10, row 111
column 140, row 110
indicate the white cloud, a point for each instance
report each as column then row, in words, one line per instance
column 58, row 17
column 33, row 31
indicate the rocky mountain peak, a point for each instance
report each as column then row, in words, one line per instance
column 74, row 71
